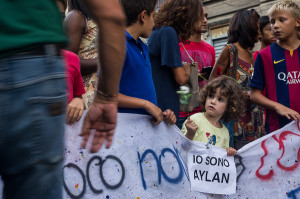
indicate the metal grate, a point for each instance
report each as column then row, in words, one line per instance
column 219, row 44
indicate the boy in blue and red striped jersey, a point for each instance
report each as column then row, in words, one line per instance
column 277, row 68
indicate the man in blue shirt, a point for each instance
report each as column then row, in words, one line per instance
column 137, row 92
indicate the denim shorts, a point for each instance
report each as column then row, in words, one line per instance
column 32, row 108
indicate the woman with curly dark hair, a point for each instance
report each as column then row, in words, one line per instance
column 236, row 61
column 222, row 98
column 174, row 21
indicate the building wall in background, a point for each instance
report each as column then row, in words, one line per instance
column 220, row 13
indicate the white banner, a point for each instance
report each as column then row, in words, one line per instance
column 212, row 171
column 147, row 161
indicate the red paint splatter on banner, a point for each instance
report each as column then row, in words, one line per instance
column 281, row 146
column 282, row 137
column 271, row 172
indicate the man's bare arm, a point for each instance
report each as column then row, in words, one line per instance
column 111, row 41
column 102, row 114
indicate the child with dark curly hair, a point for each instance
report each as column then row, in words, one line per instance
column 222, row 99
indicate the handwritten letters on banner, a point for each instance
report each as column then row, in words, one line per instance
column 211, row 172
column 150, row 162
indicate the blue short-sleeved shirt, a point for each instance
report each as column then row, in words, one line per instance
column 136, row 79
column 164, row 55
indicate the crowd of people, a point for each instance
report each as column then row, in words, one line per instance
column 123, row 56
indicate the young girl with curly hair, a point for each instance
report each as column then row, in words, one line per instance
column 222, row 99
column 174, row 22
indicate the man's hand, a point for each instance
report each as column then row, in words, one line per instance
column 102, row 114
column 74, row 110
column 101, row 117
column 169, row 116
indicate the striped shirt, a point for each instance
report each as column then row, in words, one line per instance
column 278, row 71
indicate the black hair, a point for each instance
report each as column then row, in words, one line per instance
column 79, row 6
column 243, row 28
column 263, row 21
column 132, row 9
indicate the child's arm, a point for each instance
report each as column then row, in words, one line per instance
column 231, row 151
column 133, row 102
column 257, row 97
column 191, row 128
column 74, row 110
column 182, row 74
